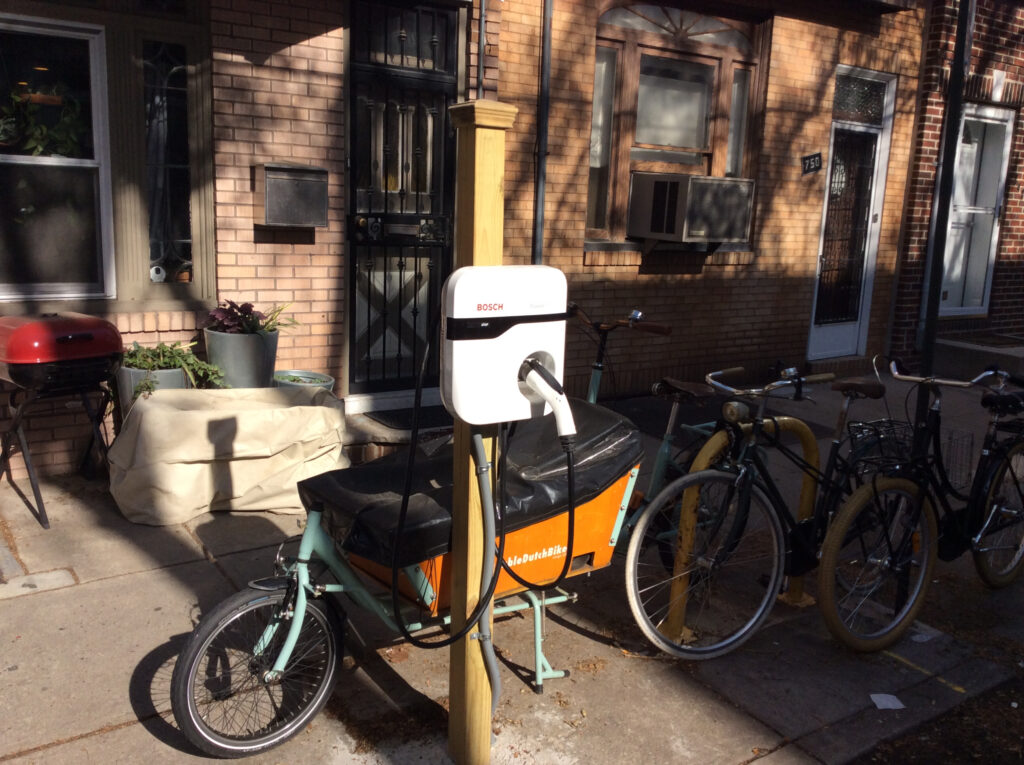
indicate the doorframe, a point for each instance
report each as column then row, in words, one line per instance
column 372, row 401
column 878, row 188
column 985, row 113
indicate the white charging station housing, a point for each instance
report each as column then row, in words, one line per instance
column 494, row 318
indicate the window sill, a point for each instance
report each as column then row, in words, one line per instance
column 104, row 307
column 602, row 253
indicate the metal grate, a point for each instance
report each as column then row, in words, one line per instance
column 846, row 227
column 879, row 445
column 882, row 445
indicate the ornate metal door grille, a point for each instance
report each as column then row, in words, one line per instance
column 403, row 79
column 846, row 227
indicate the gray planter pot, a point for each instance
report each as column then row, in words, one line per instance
column 129, row 377
column 302, row 378
column 246, row 360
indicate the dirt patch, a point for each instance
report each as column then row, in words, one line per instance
column 590, row 666
column 986, row 728
column 419, row 721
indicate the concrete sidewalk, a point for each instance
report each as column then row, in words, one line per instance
column 94, row 611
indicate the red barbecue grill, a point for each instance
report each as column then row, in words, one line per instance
column 57, row 354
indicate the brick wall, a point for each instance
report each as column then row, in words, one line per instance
column 998, row 29
column 278, row 95
column 752, row 312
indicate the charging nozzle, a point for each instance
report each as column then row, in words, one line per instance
column 546, row 385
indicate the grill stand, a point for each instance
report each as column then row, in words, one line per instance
column 16, row 428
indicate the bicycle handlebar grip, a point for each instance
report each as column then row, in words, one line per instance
column 651, row 327
column 579, row 313
column 730, row 371
column 823, row 377
column 896, row 366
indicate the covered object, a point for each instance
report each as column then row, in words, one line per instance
column 182, row 453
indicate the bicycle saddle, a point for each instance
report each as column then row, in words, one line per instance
column 859, row 386
column 1004, row 403
column 669, row 386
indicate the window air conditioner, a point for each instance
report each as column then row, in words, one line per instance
column 689, row 208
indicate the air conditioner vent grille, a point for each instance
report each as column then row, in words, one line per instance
column 689, row 208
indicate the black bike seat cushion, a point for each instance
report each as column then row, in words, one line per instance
column 1004, row 403
column 361, row 505
column 859, row 386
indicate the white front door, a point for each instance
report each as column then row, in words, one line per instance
column 855, row 187
column 973, row 236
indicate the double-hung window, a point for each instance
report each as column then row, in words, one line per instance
column 55, row 212
column 105, row 157
column 674, row 92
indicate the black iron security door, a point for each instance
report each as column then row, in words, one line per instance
column 401, row 181
column 846, row 226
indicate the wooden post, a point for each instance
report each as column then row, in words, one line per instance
column 479, row 234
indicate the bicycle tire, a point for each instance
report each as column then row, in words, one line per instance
column 218, row 697
column 728, row 585
column 999, row 554
column 876, row 561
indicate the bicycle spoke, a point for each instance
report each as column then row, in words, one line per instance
column 875, row 564
column 704, row 600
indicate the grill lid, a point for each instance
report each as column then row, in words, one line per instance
column 56, row 337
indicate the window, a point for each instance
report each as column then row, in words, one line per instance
column 54, row 166
column 673, row 93
column 601, row 138
column 85, row 222
column 168, row 175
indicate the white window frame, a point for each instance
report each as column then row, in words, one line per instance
column 821, row 340
column 1000, row 115
column 95, row 37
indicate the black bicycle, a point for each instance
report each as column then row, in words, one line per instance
column 880, row 548
column 709, row 553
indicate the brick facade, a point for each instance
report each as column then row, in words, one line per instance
column 749, row 310
column 998, row 27
column 279, row 94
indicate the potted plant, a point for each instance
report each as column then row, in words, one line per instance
column 143, row 370
column 243, row 342
column 302, row 378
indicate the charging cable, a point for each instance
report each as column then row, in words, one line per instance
column 535, row 375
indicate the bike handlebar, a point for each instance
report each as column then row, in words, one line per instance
column 797, row 381
column 895, row 364
column 635, row 320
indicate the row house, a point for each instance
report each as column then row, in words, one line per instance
column 981, row 302
column 737, row 170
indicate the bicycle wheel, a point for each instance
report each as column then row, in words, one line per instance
column 875, row 563
column 999, row 554
column 219, row 697
column 704, row 565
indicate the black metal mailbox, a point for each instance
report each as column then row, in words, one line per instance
column 292, row 196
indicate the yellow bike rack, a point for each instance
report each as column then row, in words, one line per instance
column 674, row 627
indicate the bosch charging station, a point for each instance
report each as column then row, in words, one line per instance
column 495, row 319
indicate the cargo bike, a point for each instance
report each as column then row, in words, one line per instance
column 262, row 664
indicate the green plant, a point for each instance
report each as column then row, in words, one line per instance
column 24, row 125
column 235, row 319
column 200, row 374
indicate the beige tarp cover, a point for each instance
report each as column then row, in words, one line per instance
column 182, row 453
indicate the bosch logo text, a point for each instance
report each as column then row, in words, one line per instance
column 490, row 306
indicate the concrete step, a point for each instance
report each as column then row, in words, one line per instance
column 965, row 359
